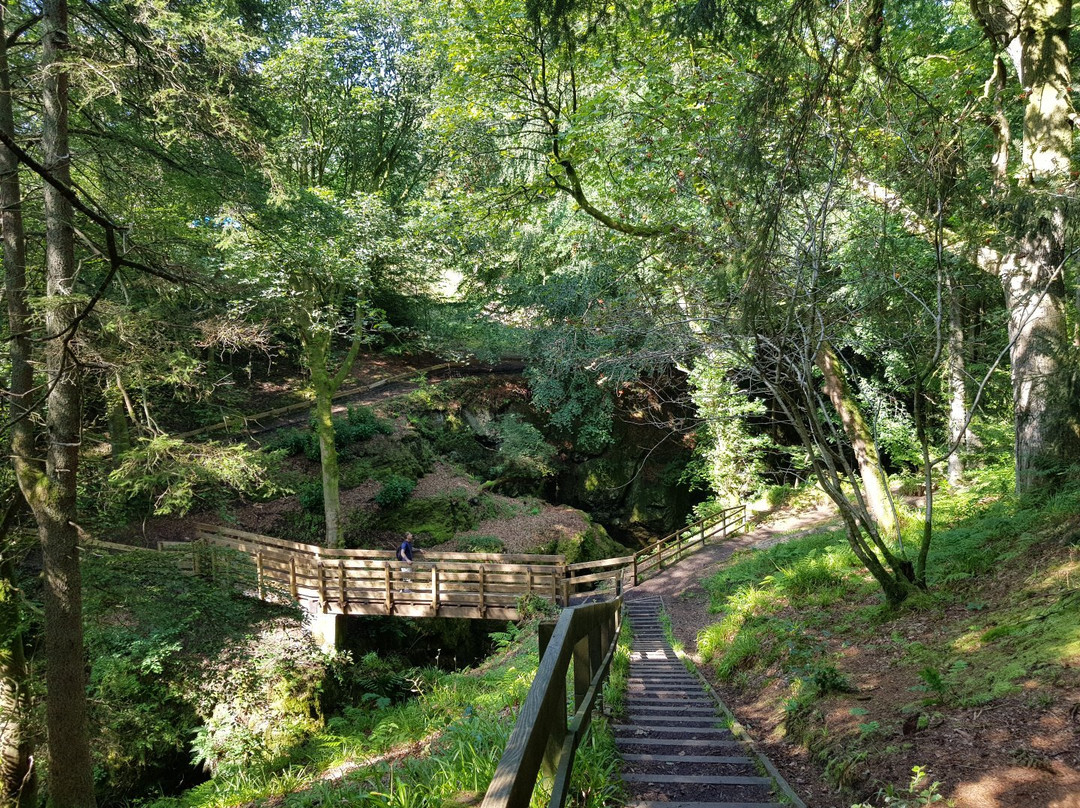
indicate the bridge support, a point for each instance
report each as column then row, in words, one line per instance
column 326, row 629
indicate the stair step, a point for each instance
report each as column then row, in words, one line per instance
column 630, row 730
column 706, row 779
column 690, row 721
column 680, row 742
column 643, row 758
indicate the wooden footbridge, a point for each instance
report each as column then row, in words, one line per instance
column 329, row 581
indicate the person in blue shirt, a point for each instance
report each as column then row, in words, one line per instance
column 405, row 555
column 404, row 552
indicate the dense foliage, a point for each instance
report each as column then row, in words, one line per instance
column 186, row 672
column 813, row 240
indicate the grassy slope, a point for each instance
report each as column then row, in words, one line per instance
column 976, row 680
column 438, row 748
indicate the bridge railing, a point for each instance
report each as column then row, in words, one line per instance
column 545, row 737
column 627, row 571
column 339, row 581
column 670, row 549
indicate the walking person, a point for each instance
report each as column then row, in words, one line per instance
column 405, row 555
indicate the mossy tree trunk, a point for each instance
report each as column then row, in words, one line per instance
column 17, row 775
column 50, row 487
column 317, row 352
column 1046, row 401
column 861, row 438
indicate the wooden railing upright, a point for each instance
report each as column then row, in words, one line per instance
column 543, row 737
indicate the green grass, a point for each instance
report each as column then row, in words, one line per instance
column 441, row 743
column 1002, row 614
column 438, row 748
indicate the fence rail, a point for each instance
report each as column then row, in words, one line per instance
column 545, row 737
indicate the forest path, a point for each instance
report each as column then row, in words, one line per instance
column 686, row 601
column 299, row 413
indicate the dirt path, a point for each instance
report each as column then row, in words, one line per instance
column 681, row 586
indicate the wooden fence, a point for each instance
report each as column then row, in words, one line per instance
column 545, row 737
column 365, row 582
column 435, row 584
column 627, row 571
column 678, row 545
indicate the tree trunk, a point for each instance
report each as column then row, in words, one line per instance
column 116, row 414
column 318, row 350
column 17, row 775
column 861, row 438
column 52, row 495
column 957, row 388
column 1046, row 400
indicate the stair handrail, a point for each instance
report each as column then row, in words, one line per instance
column 543, row 737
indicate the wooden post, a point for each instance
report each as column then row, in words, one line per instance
column 259, row 573
column 322, row 584
column 635, row 570
column 434, row 591
column 341, row 583
column 292, row 578
column 483, row 595
column 389, row 591
column 528, row 580
column 582, row 669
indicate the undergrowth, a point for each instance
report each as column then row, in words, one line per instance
column 439, row 747
column 1000, row 617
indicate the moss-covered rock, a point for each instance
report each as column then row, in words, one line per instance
column 593, row 544
column 433, row 520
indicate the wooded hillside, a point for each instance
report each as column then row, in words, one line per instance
column 808, row 241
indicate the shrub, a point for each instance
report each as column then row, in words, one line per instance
column 175, row 656
column 310, row 496
column 480, row 544
column 291, row 441
column 306, row 527
column 395, row 491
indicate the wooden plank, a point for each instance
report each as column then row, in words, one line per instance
column 259, row 573
column 604, row 564
column 538, row 735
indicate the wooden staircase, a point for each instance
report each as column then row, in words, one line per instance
column 677, row 751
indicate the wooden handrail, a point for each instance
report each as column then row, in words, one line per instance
column 664, row 551
column 361, row 582
column 543, row 737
